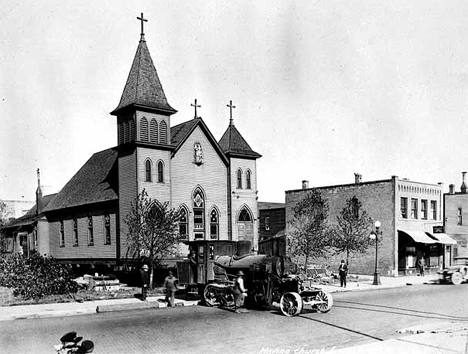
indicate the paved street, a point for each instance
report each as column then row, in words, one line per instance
column 356, row 318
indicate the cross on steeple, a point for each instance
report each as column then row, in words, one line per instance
column 195, row 105
column 230, row 109
column 142, row 34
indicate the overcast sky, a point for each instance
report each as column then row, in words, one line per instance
column 323, row 89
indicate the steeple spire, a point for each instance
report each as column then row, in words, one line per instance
column 143, row 89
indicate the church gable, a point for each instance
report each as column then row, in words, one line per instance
column 182, row 132
column 198, row 150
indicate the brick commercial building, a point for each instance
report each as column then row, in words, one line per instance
column 409, row 213
column 456, row 218
column 213, row 183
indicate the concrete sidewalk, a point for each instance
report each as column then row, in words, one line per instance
column 364, row 282
column 8, row 313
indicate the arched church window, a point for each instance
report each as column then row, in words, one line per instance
column 198, row 213
column 214, row 224
column 163, row 132
column 160, row 172
column 245, row 215
column 107, row 233
column 148, row 171
column 248, row 178
column 183, row 224
column 144, row 129
column 62, row 234
column 75, row 232
column 154, row 131
column 90, row 231
column 239, row 179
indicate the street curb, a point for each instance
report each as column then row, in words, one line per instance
column 124, row 307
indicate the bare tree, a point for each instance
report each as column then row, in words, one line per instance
column 351, row 236
column 152, row 230
column 310, row 237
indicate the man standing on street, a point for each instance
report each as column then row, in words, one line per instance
column 343, row 271
column 144, row 281
column 170, row 284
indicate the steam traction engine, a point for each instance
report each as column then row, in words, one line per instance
column 268, row 279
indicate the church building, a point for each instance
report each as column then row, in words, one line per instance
column 213, row 183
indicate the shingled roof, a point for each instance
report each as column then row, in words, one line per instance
column 143, row 87
column 181, row 131
column 232, row 143
column 95, row 182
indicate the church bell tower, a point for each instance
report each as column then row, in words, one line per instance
column 143, row 130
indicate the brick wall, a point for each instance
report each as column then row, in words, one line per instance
column 378, row 199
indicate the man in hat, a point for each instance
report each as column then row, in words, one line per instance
column 144, row 281
column 239, row 291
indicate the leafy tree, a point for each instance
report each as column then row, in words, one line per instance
column 310, row 237
column 351, row 236
column 152, row 230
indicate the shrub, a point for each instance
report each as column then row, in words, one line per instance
column 36, row 276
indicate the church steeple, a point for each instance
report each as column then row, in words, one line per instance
column 143, row 89
column 233, row 144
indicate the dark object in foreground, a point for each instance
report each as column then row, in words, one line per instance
column 268, row 279
column 69, row 344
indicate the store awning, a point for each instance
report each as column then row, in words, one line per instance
column 419, row 236
column 444, row 238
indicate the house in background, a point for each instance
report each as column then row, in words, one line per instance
column 21, row 233
column 410, row 213
column 271, row 233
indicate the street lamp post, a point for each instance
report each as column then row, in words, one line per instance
column 375, row 234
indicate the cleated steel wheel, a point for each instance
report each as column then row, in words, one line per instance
column 291, row 304
column 457, row 278
column 326, row 301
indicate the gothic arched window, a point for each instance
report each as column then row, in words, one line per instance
column 163, row 132
column 245, row 215
column 154, row 131
column 160, row 172
column 248, row 178
column 214, row 224
column 144, row 129
column 198, row 213
column 183, row 224
column 239, row 179
column 148, row 171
